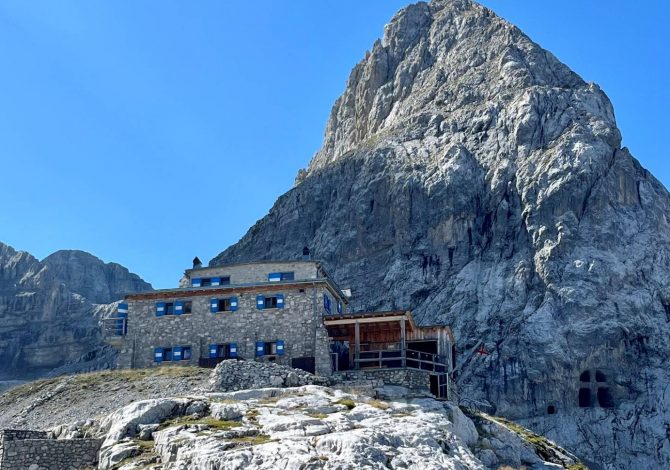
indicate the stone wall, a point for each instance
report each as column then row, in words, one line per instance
column 299, row 324
column 410, row 378
column 33, row 450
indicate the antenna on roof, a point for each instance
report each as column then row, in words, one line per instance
column 305, row 254
column 197, row 263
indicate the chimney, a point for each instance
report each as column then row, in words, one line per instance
column 197, row 263
column 305, row 254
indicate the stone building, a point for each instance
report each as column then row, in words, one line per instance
column 288, row 312
column 265, row 311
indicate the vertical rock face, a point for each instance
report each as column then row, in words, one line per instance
column 49, row 310
column 468, row 175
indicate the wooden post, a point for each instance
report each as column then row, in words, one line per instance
column 357, row 347
column 403, row 344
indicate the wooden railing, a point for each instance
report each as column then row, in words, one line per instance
column 408, row 358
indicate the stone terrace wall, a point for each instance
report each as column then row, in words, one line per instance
column 33, row 450
column 412, row 379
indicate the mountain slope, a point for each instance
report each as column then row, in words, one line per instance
column 467, row 174
column 49, row 310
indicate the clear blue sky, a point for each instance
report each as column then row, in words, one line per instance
column 149, row 132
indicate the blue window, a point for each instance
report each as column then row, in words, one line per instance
column 183, row 307
column 121, row 325
column 327, row 303
column 173, row 308
column 273, row 301
column 177, row 353
column 221, row 281
column 226, row 351
column 228, row 304
column 269, row 348
column 339, row 307
column 210, row 281
column 285, row 276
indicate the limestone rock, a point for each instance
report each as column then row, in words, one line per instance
column 90, row 277
column 240, row 375
column 469, row 175
column 279, row 428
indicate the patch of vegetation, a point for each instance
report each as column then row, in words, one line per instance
column 208, row 421
column 145, row 451
column 252, row 415
column 380, row 405
column 578, row 466
column 253, row 440
column 317, row 415
column 348, row 402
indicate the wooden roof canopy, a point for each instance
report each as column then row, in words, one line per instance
column 375, row 323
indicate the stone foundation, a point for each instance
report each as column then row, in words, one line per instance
column 410, row 378
column 34, row 450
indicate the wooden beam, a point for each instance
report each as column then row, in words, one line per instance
column 403, row 345
column 352, row 321
column 357, row 350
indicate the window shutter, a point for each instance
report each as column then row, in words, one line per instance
column 216, row 281
column 160, row 309
column 274, row 277
column 260, row 348
column 213, row 350
column 233, row 304
column 280, row 300
column 197, row 282
column 326, row 302
column 214, row 306
column 280, row 348
column 123, row 308
column 233, row 350
column 176, row 353
column 260, row 302
column 158, row 355
column 339, row 307
column 178, row 308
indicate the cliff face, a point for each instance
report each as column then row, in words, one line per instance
column 468, row 175
column 49, row 310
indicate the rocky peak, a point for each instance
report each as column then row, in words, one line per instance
column 89, row 276
column 451, row 64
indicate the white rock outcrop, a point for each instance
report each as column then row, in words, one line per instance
column 310, row 427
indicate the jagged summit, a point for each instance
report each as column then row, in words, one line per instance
column 470, row 176
column 92, row 278
column 441, row 66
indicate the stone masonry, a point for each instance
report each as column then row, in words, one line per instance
column 412, row 379
column 34, row 450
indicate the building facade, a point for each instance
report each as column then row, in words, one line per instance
column 264, row 311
